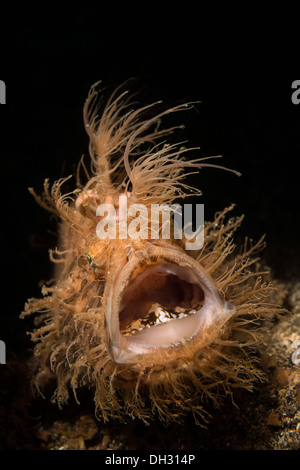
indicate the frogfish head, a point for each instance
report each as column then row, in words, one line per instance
column 150, row 326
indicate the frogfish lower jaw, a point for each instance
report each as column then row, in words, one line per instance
column 161, row 299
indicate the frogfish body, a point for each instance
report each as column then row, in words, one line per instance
column 151, row 327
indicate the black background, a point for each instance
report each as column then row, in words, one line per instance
column 49, row 60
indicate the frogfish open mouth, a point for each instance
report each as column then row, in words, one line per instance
column 153, row 328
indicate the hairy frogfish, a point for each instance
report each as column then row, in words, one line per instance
column 151, row 327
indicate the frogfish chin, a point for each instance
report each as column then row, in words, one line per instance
column 151, row 327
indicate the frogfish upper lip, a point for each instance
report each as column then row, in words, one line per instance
column 171, row 280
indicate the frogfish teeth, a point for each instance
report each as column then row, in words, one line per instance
column 151, row 327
